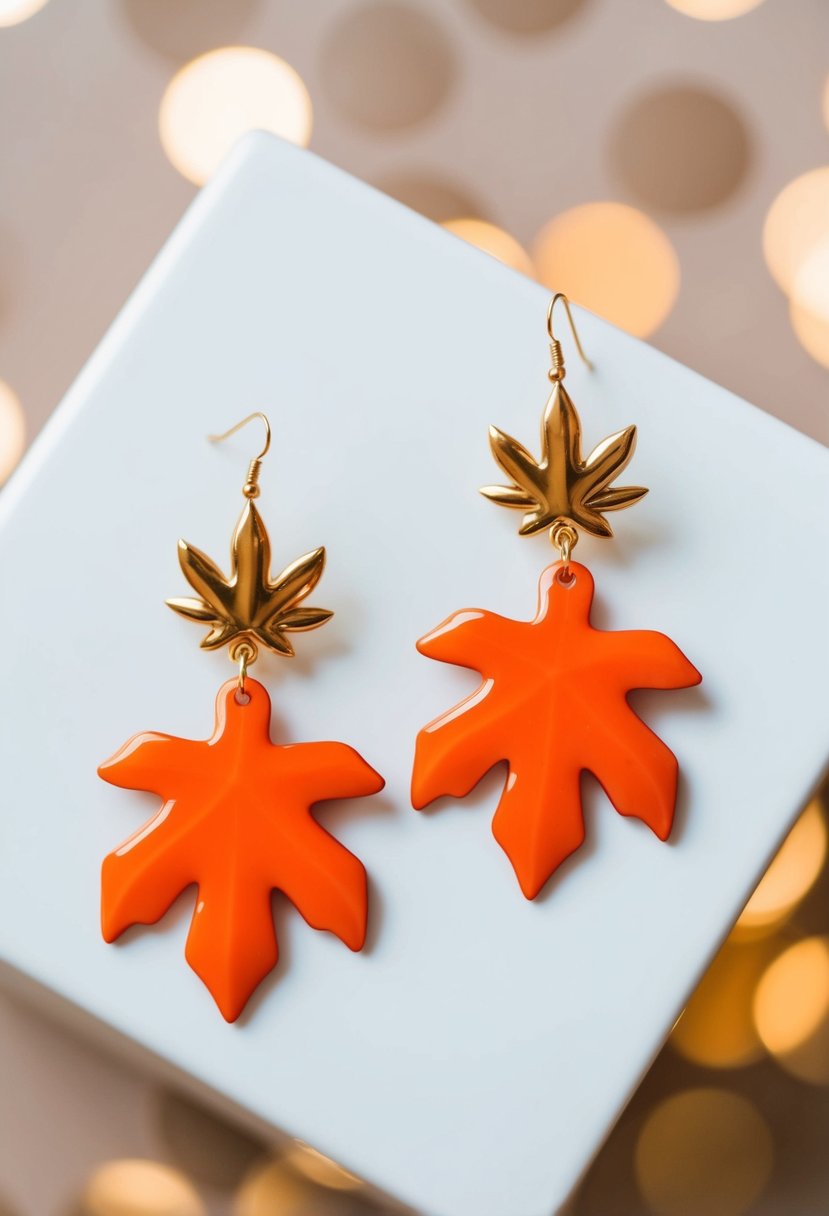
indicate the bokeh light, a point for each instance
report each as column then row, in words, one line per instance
column 321, row 1169
column 717, row 1029
column 527, row 16
column 613, row 260
column 272, row 1188
column 436, row 198
column 278, row 1190
column 12, row 430
column 180, row 29
column 681, row 148
column 714, row 10
column 493, row 240
column 218, row 97
column 139, row 1188
column 12, row 12
column 208, row 1148
column 791, row 1009
column 810, row 288
column 703, row 1150
column 790, row 876
column 387, row 65
column 796, row 225
column 796, row 248
column 811, row 332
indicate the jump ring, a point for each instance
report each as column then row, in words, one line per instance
column 564, row 537
column 246, row 653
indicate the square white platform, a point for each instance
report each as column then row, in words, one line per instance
column 473, row 1058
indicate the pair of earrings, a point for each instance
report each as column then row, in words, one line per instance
column 236, row 815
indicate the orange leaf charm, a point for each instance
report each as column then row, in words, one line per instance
column 552, row 704
column 236, row 820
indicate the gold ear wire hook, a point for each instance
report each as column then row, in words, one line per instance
column 557, row 370
column 251, row 486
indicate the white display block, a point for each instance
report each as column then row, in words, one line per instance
column 472, row 1059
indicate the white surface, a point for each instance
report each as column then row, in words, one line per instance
column 473, row 1057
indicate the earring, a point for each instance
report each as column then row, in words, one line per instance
column 236, row 814
column 553, row 698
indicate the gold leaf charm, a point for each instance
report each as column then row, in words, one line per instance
column 249, row 606
column 561, row 488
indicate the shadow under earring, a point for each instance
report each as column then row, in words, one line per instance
column 553, row 698
column 236, row 814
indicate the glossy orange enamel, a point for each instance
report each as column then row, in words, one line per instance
column 236, row 821
column 553, row 704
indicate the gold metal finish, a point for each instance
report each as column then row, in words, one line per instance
column 256, row 414
column 565, row 540
column 251, row 486
column 245, row 648
column 246, row 653
column 248, row 608
column 563, row 489
column 557, row 370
